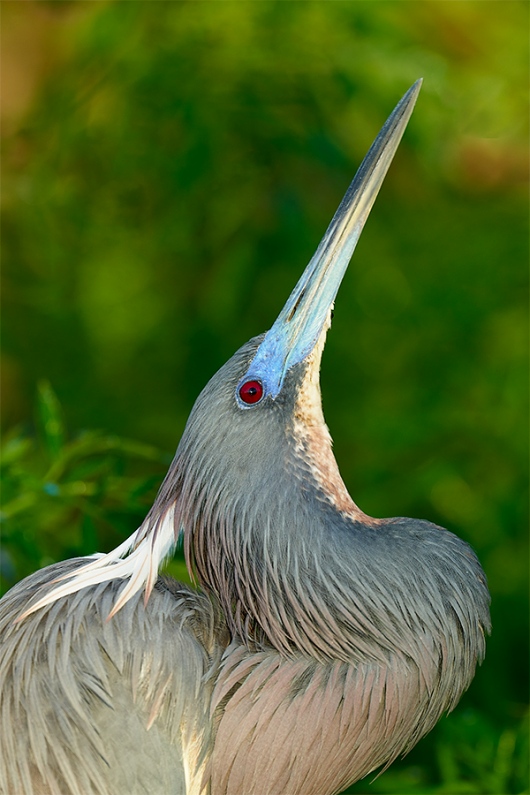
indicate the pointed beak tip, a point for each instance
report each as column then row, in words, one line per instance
column 415, row 88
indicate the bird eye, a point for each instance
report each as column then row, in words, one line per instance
column 251, row 392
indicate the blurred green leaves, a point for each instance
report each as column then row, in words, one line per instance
column 66, row 497
column 50, row 420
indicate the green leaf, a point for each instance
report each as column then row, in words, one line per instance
column 50, row 419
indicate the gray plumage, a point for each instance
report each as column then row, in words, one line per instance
column 324, row 643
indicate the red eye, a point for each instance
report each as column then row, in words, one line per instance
column 251, row 392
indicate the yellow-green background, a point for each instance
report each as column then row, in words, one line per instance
column 169, row 168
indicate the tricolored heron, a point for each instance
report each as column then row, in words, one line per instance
column 324, row 643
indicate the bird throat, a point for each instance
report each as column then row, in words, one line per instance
column 313, row 443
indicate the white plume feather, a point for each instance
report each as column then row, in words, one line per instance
column 150, row 544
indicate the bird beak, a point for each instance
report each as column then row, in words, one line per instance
column 307, row 313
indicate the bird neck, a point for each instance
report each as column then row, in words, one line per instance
column 271, row 532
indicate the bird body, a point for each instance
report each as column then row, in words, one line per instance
column 324, row 642
column 106, row 707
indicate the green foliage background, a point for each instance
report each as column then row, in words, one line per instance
column 165, row 183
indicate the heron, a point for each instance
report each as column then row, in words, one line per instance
column 321, row 644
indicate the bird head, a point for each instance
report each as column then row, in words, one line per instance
column 268, row 394
column 274, row 379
